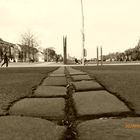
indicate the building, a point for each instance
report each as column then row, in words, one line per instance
column 6, row 47
column 20, row 53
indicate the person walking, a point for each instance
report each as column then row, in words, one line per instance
column 57, row 59
column 5, row 60
column 76, row 61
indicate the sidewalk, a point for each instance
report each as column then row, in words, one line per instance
column 49, row 64
column 35, row 64
column 70, row 105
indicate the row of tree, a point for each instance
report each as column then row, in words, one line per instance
column 50, row 55
column 28, row 50
column 31, row 44
column 132, row 54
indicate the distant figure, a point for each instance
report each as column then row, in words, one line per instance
column 76, row 61
column 5, row 60
column 57, row 59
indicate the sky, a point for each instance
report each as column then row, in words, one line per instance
column 112, row 24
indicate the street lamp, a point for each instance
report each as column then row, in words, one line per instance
column 83, row 34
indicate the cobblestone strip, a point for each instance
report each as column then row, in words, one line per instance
column 96, row 112
column 91, row 98
column 48, row 100
column 69, row 105
column 45, row 111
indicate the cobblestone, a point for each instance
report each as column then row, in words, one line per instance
column 56, row 75
column 113, row 129
column 46, row 91
column 55, row 81
column 87, row 85
column 59, row 71
column 97, row 102
column 75, row 72
column 52, row 101
column 39, row 107
column 81, row 77
column 27, row 128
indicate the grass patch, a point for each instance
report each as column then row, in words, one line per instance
column 16, row 83
column 123, row 81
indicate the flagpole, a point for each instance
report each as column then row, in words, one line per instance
column 83, row 34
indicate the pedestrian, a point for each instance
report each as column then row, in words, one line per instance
column 5, row 60
column 76, row 61
column 57, row 59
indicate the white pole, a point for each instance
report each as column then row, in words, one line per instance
column 97, row 56
column 83, row 34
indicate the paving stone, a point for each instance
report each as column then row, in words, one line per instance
column 27, row 128
column 97, row 102
column 52, row 108
column 110, row 129
column 55, row 81
column 81, row 77
column 57, row 75
column 46, row 91
column 75, row 72
column 87, row 85
column 60, row 70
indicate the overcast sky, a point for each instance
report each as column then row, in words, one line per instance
column 112, row 24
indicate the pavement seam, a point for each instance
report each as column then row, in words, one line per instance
column 71, row 133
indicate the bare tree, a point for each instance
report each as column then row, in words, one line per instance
column 30, row 44
column 49, row 54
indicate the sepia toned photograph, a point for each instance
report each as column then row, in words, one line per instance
column 69, row 70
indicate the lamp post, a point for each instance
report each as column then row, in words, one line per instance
column 83, row 34
column 101, row 56
column 97, row 56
